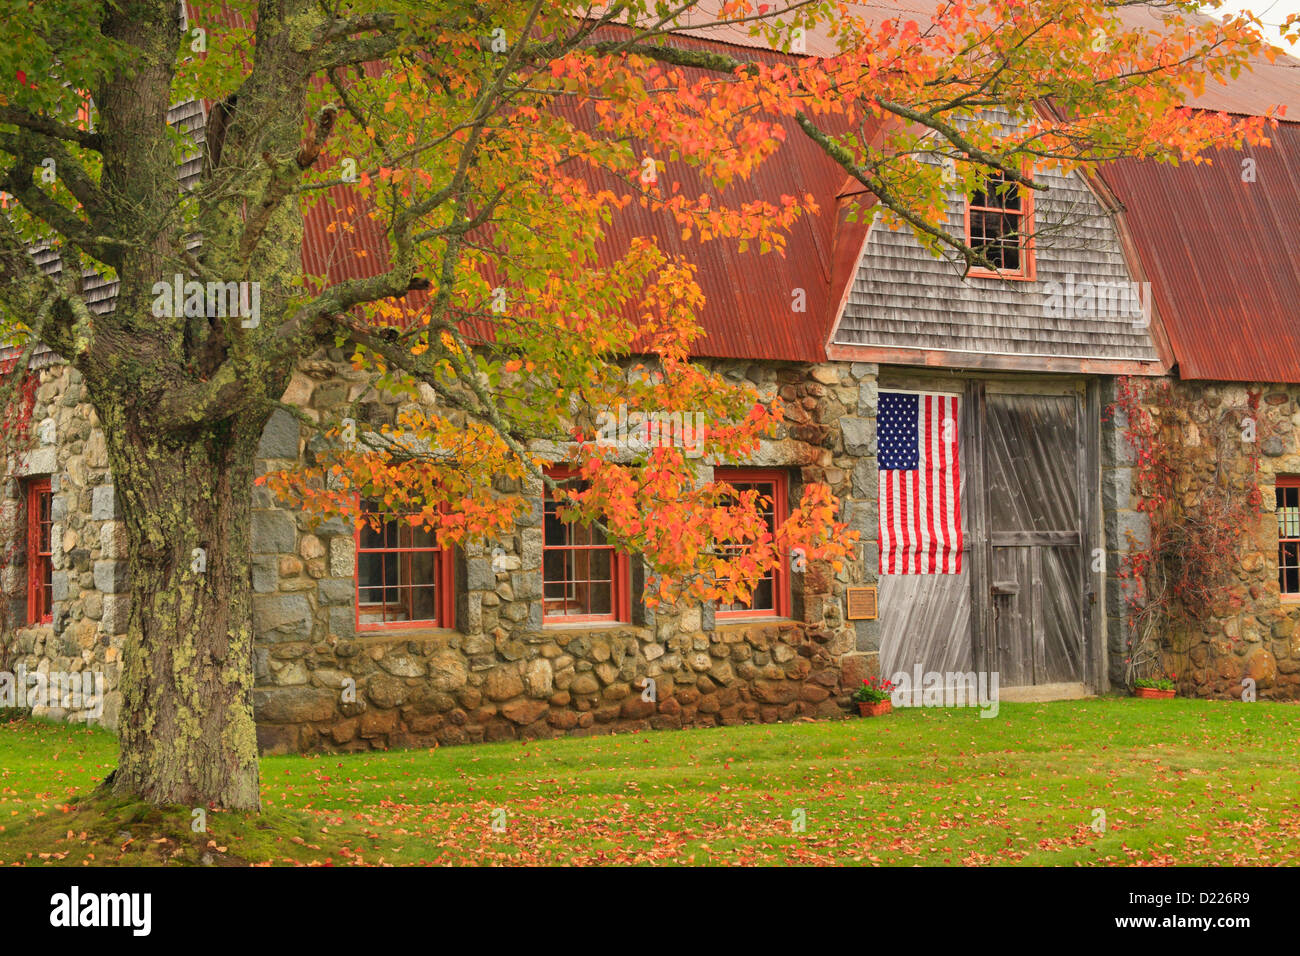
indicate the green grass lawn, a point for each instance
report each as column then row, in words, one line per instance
column 1179, row 781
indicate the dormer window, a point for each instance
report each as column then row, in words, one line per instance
column 999, row 225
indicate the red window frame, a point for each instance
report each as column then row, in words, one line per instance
column 1287, row 492
column 40, row 552
column 780, row 575
column 620, row 579
column 442, row 582
column 1025, row 272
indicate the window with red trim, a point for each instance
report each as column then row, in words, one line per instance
column 584, row 578
column 771, row 597
column 40, row 553
column 1288, row 535
column 403, row 579
column 999, row 224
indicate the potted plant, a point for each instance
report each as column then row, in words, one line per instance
column 873, row 697
column 1161, row 687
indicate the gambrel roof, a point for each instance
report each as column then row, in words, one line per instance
column 1222, row 253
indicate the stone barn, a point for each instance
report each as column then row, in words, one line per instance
column 967, row 424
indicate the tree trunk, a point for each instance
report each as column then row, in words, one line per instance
column 186, row 727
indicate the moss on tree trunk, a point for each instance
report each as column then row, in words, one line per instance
column 186, row 727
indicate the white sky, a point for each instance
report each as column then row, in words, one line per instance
column 1272, row 12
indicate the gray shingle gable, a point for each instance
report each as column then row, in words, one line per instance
column 904, row 297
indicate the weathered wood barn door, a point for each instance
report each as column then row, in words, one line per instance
column 1021, row 601
column 1036, row 516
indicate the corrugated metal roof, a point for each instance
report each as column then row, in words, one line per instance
column 749, row 296
column 1250, row 93
column 1223, row 257
column 1221, row 254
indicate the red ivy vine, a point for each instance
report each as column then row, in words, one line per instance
column 1183, row 571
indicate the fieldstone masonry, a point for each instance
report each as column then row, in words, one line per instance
column 499, row 674
column 90, row 580
column 1260, row 639
column 1119, row 517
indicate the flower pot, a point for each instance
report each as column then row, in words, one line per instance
column 1155, row 692
column 878, row 709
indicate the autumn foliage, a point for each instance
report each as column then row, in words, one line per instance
column 540, row 320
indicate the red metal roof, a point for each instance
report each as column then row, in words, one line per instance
column 749, row 295
column 1223, row 257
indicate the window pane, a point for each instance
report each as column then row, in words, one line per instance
column 370, row 538
column 763, row 597
column 424, row 603
column 397, row 574
column 1288, row 512
column 1288, row 570
column 600, row 599
column 556, row 533
column 415, row 537
column 596, row 565
column 555, row 573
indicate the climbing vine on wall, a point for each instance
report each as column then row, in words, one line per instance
column 1183, row 572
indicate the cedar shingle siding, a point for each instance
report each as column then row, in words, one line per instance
column 903, row 297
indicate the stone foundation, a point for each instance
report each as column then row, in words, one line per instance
column 445, row 688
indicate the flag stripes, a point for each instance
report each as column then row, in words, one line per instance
column 919, row 484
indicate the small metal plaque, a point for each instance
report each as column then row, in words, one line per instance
column 861, row 603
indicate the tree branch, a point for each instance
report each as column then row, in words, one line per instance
column 49, row 127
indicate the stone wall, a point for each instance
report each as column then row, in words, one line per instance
column 499, row 673
column 322, row 685
column 1254, row 633
column 1124, row 529
column 90, row 583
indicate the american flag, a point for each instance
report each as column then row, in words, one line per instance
column 920, row 483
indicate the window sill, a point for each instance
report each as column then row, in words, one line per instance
column 730, row 622
column 1003, row 276
column 579, row 627
column 381, row 635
